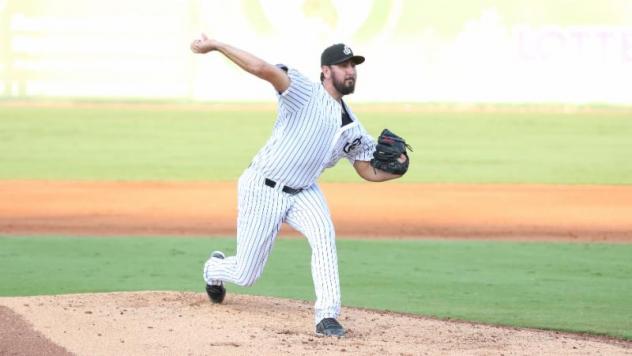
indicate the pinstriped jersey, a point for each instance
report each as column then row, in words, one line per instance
column 307, row 136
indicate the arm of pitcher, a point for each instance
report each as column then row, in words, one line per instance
column 245, row 60
column 367, row 172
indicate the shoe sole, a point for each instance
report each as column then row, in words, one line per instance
column 324, row 335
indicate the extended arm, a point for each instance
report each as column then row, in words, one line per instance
column 246, row 61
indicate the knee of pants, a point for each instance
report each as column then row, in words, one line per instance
column 248, row 274
column 324, row 237
column 246, row 280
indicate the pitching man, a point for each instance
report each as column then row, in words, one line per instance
column 314, row 129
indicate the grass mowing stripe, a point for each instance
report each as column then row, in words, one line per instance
column 574, row 287
column 460, row 147
column 127, row 144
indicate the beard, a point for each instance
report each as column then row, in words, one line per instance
column 344, row 87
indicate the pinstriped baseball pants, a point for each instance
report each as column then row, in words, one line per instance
column 261, row 211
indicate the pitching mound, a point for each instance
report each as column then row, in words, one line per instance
column 174, row 323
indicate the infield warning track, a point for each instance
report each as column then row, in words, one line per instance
column 582, row 213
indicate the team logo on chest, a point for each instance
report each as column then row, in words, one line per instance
column 350, row 146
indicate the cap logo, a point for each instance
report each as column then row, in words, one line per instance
column 346, row 50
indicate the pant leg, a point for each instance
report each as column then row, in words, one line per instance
column 310, row 215
column 261, row 211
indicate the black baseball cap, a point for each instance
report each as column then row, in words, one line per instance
column 338, row 53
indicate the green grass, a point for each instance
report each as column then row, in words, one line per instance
column 571, row 287
column 171, row 144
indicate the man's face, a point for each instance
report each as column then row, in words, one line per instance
column 343, row 77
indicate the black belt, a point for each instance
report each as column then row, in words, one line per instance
column 270, row 183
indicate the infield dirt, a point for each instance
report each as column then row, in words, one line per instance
column 529, row 212
column 172, row 323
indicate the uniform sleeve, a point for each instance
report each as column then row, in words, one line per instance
column 365, row 149
column 298, row 94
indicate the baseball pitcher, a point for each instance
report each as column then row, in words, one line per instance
column 314, row 129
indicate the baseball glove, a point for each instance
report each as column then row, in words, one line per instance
column 389, row 149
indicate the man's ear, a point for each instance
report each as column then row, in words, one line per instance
column 326, row 70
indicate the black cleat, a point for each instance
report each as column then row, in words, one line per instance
column 216, row 293
column 330, row 327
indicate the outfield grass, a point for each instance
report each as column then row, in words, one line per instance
column 140, row 144
column 572, row 287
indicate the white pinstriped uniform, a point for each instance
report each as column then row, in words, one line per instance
column 307, row 138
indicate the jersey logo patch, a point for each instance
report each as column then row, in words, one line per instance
column 350, row 146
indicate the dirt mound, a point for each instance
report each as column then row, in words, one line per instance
column 177, row 323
